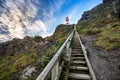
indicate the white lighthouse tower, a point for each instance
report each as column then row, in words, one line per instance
column 67, row 21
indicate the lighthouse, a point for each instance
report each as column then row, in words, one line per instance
column 67, row 21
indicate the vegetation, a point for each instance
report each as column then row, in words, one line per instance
column 15, row 63
column 109, row 38
column 104, row 24
column 38, row 38
column 12, row 66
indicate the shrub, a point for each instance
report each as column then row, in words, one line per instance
column 38, row 38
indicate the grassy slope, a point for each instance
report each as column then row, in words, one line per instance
column 10, row 65
column 105, row 25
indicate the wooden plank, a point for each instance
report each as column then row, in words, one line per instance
column 79, row 76
column 76, row 54
column 79, row 58
column 78, row 68
column 78, row 62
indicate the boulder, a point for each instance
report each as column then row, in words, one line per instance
column 28, row 72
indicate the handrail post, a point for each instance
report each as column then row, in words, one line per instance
column 55, row 71
column 68, row 50
column 75, row 28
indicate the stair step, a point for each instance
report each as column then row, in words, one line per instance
column 78, row 68
column 79, row 76
column 77, row 49
column 76, row 42
column 74, row 51
column 77, row 54
column 78, row 58
column 78, row 62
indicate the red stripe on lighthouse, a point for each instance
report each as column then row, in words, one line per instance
column 67, row 20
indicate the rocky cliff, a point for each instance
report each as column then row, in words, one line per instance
column 114, row 4
column 104, row 1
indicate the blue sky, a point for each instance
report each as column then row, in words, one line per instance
column 73, row 9
column 20, row 18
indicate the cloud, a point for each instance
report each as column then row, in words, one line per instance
column 31, row 11
column 20, row 20
column 27, row 17
column 38, row 28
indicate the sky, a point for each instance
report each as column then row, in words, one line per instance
column 20, row 18
column 73, row 9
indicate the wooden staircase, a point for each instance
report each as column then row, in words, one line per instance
column 69, row 64
column 78, row 69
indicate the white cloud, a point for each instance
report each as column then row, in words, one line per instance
column 17, row 14
column 46, row 34
column 18, row 22
column 31, row 10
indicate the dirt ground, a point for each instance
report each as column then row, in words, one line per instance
column 106, row 64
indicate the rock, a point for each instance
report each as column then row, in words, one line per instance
column 91, row 13
column 17, row 46
column 28, row 72
column 86, row 15
column 117, row 8
column 109, row 16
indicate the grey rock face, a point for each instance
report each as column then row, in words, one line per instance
column 86, row 15
column 28, row 72
column 104, row 1
column 118, row 8
column 15, row 46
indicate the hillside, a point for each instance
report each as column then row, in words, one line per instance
column 102, row 21
column 26, row 58
column 100, row 31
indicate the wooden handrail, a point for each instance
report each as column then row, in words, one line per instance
column 44, row 74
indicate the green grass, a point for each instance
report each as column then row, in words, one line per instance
column 109, row 38
column 12, row 64
column 90, row 31
column 16, row 63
